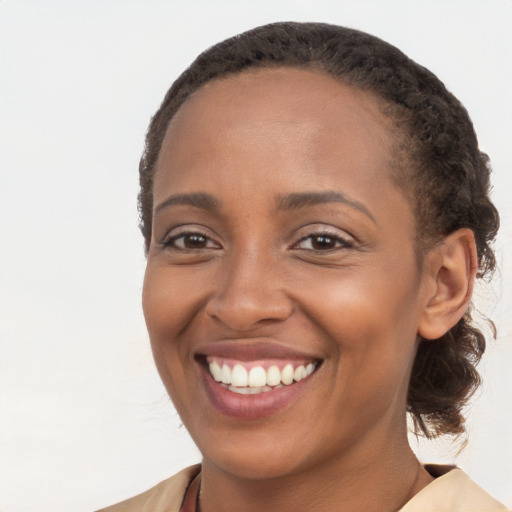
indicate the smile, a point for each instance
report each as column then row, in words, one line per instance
column 249, row 378
column 254, row 379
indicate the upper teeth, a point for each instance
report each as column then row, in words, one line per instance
column 257, row 376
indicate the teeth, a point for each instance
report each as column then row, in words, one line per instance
column 297, row 374
column 216, row 371
column 287, row 375
column 250, row 391
column 239, row 376
column 226, row 374
column 257, row 379
column 273, row 376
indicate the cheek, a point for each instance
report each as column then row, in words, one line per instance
column 363, row 299
column 166, row 314
column 169, row 301
column 371, row 319
column 374, row 349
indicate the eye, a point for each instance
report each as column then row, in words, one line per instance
column 322, row 242
column 190, row 241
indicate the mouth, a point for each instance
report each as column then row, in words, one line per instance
column 253, row 381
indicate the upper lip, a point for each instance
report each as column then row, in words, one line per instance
column 251, row 350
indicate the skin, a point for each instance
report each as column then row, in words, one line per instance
column 260, row 272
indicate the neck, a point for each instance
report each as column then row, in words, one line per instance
column 383, row 481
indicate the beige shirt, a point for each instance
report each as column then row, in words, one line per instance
column 453, row 491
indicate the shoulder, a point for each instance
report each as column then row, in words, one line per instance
column 452, row 491
column 164, row 497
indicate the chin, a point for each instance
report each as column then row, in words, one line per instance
column 256, row 465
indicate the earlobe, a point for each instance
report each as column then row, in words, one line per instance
column 453, row 267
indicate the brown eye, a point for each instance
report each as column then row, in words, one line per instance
column 322, row 242
column 194, row 241
column 191, row 241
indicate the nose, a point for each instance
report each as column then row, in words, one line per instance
column 249, row 294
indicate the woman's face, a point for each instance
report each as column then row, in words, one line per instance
column 281, row 250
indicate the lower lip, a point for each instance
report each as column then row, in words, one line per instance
column 250, row 407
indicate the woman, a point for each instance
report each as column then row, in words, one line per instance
column 315, row 210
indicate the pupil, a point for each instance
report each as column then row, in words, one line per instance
column 323, row 242
column 195, row 241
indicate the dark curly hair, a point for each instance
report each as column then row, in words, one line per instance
column 439, row 167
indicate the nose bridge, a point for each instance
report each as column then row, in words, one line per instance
column 249, row 290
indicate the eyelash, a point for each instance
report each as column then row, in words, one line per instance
column 170, row 242
column 339, row 242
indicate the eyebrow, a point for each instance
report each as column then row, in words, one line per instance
column 308, row 199
column 199, row 200
column 294, row 201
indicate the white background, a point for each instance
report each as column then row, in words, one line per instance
column 84, row 419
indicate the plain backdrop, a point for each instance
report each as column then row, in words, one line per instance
column 84, row 420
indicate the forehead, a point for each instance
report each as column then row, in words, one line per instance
column 294, row 128
column 311, row 115
column 271, row 96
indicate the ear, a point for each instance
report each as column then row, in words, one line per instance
column 451, row 271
